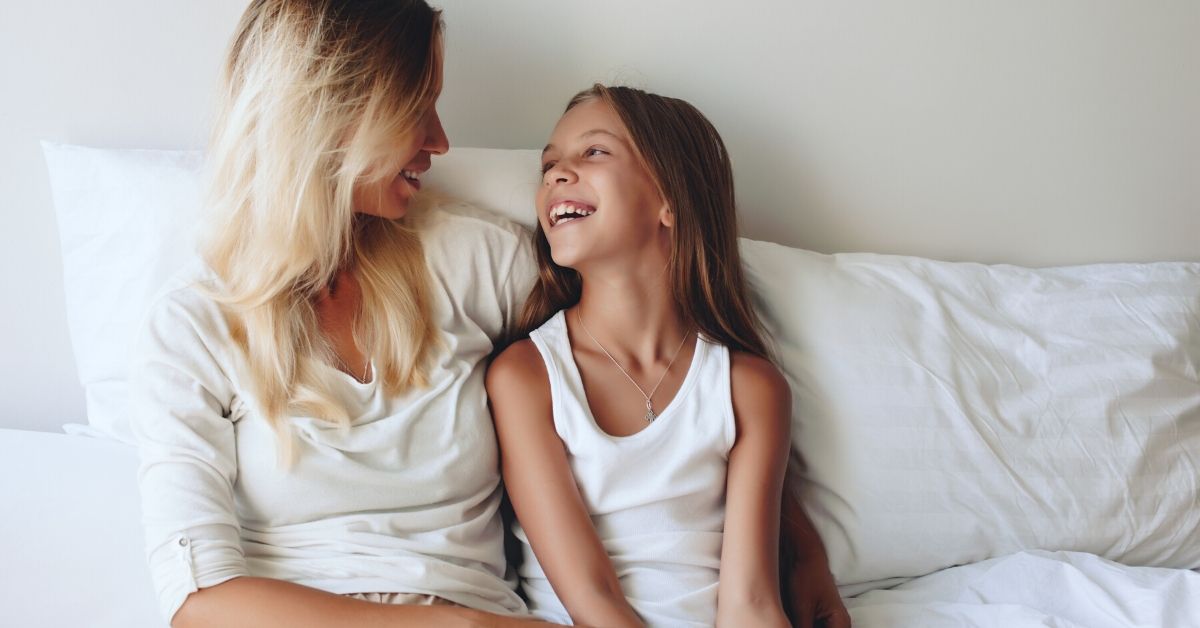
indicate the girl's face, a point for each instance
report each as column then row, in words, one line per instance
column 597, row 200
column 388, row 197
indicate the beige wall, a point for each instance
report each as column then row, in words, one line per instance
column 1025, row 132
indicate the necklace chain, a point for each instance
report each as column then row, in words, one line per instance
column 650, row 415
column 345, row 368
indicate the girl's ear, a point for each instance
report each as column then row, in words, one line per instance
column 665, row 216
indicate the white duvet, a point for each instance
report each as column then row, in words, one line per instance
column 70, row 555
column 1052, row 589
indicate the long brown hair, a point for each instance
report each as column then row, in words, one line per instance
column 685, row 156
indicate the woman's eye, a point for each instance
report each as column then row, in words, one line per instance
column 594, row 151
column 547, row 166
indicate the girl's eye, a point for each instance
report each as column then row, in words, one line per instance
column 547, row 166
column 594, row 151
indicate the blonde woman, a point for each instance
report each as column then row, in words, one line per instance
column 309, row 400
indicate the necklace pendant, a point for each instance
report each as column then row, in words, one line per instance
column 650, row 416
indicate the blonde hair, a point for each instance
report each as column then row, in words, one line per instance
column 314, row 93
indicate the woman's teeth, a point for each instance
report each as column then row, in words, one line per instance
column 566, row 212
column 411, row 175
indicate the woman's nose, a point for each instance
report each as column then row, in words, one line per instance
column 436, row 141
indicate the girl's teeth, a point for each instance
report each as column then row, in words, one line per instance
column 559, row 213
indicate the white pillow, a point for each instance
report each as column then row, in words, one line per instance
column 949, row 413
column 126, row 220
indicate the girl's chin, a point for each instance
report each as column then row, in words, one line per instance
column 564, row 259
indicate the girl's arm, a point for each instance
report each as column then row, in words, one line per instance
column 544, row 494
column 748, row 594
column 809, row 588
column 255, row 602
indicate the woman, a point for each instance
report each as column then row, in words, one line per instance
column 309, row 399
column 310, row 406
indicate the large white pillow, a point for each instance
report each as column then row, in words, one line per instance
column 127, row 220
column 949, row 413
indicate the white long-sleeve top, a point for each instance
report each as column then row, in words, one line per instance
column 405, row 500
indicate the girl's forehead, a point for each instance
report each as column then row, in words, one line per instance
column 588, row 115
column 587, row 119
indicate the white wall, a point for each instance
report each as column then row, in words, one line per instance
column 1025, row 132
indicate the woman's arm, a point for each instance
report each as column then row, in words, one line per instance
column 255, row 602
column 544, row 494
column 189, row 464
column 748, row 593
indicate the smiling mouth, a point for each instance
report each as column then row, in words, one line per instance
column 562, row 213
column 412, row 177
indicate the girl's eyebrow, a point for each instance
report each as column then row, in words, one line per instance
column 587, row 134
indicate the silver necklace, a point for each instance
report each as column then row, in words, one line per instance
column 650, row 415
column 345, row 368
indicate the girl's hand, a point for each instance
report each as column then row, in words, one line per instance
column 810, row 594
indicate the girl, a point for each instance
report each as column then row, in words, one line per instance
column 309, row 399
column 643, row 430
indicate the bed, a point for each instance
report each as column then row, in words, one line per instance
column 979, row 445
column 1004, row 445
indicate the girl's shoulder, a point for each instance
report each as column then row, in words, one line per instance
column 519, row 385
column 519, row 364
column 759, row 390
column 755, row 371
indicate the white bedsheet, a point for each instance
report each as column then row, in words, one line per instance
column 1050, row 589
column 70, row 535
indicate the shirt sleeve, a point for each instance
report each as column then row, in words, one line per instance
column 180, row 402
column 517, row 280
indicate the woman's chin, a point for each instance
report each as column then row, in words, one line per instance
column 394, row 212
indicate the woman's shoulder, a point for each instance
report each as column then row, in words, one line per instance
column 190, row 289
column 447, row 219
column 485, row 261
column 186, row 305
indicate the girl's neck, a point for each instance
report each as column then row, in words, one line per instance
column 633, row 315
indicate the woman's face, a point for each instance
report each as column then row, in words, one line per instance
column 596, row 200
column 389, row 196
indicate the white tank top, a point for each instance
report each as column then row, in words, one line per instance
column 657, row 497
